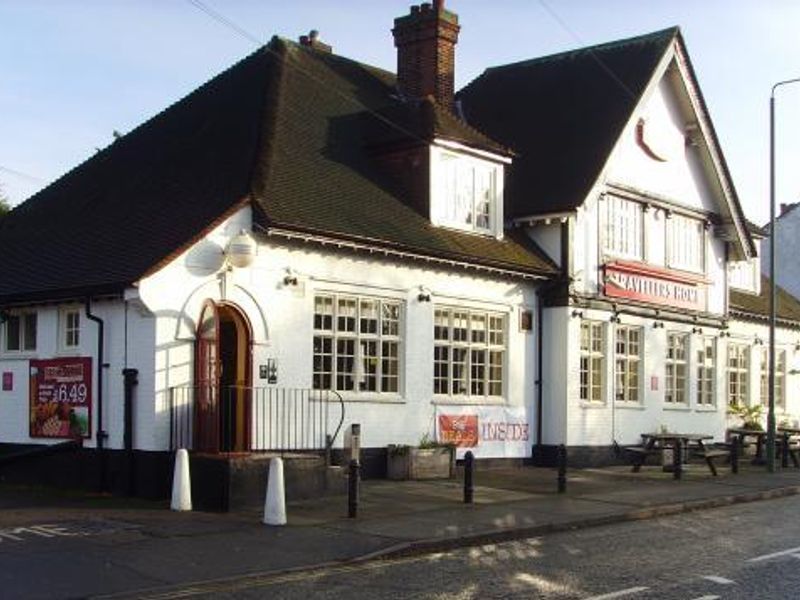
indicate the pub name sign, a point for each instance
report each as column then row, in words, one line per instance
column 655, row 286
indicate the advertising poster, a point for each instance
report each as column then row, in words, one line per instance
column 488, row 431
column 60, row 398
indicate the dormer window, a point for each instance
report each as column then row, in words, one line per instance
column 466, row 192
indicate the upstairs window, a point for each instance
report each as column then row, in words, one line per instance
column 623, row 227
column 686, row 243
column 745, row 275
column 468, row 193
column 20, row 332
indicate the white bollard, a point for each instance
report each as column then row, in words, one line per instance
column 181, row 482
column 275, row 502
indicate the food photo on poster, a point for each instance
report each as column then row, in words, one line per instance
column 488, row 431
column 60, row 397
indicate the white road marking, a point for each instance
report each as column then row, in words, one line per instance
column 719, row 580
column 619, row 594
column 774, row 555
column 706, row 598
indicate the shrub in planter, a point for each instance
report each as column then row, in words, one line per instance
column 429, row 460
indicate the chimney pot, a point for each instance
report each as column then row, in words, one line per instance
column 312, row 41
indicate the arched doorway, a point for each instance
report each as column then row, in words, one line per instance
column 223, row 379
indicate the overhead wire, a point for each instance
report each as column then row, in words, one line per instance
column 609, row 71
column 22, row 175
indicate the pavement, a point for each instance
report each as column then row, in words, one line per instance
column 115, row 545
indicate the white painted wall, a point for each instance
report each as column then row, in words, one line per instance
column 281, row 317
column 681, row 177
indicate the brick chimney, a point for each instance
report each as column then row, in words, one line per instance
column 425, row 41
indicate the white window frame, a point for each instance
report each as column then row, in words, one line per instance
column 780, row 377
column 745, row 275
column 686, row 250
column 592, row 365
column 706, row 371
column 27, row 343
column 383, row 328
column 454, row 332
column 456, row 184
column 69, row 330
column 676, row 369
column 628, row 387
column 737, row 372
column 623, row 227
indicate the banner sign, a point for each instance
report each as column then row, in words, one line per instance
column 489, row 431
column 647, row 285
column 61, row 398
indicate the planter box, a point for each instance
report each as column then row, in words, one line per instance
column 419, row 463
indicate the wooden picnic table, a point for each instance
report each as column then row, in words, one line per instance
column 740, row 433
column 782, row 439
column 787, row 449
column 653, row 442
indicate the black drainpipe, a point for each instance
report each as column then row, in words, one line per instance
column 101, row 435
column 130, row 381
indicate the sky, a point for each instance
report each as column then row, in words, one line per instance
column 72, row 72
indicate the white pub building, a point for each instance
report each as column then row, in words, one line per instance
column 539, row 259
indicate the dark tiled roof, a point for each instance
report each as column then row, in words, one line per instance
column 756, row 230
column 562, row 115
column 282, row 128
column 416, row 120
column 757, row 307
column 322, row 178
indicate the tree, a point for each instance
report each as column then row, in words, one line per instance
column 4, row 204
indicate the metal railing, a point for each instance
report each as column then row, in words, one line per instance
column 237, row 418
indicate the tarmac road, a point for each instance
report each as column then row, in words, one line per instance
column 743, row 551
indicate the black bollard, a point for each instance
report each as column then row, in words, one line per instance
column 735, row 455
column 352, row 489
column 469, row 473
column 562, row 469
column 785, row 451
column 677, row 459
